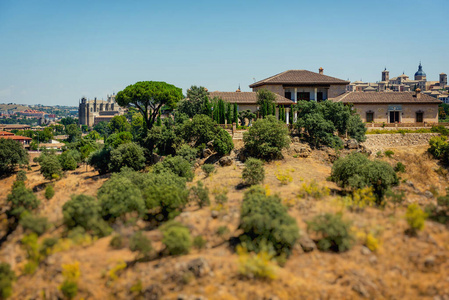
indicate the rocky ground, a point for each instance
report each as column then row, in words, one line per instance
column 403, row 267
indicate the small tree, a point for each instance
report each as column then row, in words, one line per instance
column 50, row 167
column 415, row 217
column 119, row 124
column 266, row 138
column 100, row 160
column 177, row 165
column 254, row 172
column 12, row 154
column 73, row 132
column 21, row 176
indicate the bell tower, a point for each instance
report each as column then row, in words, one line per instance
column 385, row 75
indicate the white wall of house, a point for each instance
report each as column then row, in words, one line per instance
column 311, row 90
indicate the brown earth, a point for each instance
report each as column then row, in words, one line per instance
column 402, row 268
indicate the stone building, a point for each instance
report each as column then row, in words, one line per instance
column 393, row 107
column 302, row 85
column 91, row 112
column 402, row 83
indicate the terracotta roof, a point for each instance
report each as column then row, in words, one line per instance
column 246, row 97
column 6, row 133
column 299, row 77
column 15, row 137
column 384, row 97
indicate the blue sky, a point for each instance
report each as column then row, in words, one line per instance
column 55, row 52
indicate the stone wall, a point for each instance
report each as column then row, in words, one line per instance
column 375, row 142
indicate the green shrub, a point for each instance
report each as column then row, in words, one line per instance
column 333, row 232
column 177, row 165
column 69, row 289
column 84, row 211
column 254, row 172
column 119, row 197
column 7, row 277
column 400, row 167
column 117, row 139
column 141, row 244
column 20, row 200
column 49, row 192
column 357, row 171
column 223, row 142
column 187, row 152
column 12, row 154
column 395, row 198
column 379, row 154
column 389, row 153
column 47, row 246
column 221, row 198
column 199, row 242
column 50, row 167
column 439, row 212
column 266, row 138
column 222, row 230
column 68, row 160
column 439, row 148
column 440, row 129
column 116, row 242
column 415, row 217
column 265, row 222
column 176, row 237
column 100, row 159
column 33, row 223
column 69, row 286
column 128, row 155
column 208, row 169
column 21, row 176
column 200, row 194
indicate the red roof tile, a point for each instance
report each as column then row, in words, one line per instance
column 299, row 77
column 246, row 97
column 385, row 97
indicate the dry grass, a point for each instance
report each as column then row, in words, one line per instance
column 397, row 270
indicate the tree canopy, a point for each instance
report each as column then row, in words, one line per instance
column 149, row 97
column 11, row 154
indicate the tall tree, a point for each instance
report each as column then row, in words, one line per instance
column 236, row 114
column 149, row 97
column 119, row 124
column 265, row 100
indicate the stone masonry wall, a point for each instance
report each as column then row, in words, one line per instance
column 375, row 142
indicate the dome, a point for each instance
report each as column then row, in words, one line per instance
column 420, row 72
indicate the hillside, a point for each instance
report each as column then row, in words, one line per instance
column 403, row 267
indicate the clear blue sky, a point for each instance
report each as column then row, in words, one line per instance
column 55, row 52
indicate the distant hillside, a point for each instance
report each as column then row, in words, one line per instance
column 16, row 107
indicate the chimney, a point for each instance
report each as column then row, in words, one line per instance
column 320, row 70
column 418, row 93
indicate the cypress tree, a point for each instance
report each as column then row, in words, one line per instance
column 274, row 109
column 236, row 114
column 228, row 113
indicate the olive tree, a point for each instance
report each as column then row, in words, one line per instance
column 12, row 154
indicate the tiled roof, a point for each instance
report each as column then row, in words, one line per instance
column 6, row 133
column 299, row 77
column 15, row 137
column 385, row 97
column 246, row 97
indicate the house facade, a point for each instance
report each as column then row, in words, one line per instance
column 392, row 107
column 302, row 85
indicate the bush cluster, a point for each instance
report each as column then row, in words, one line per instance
column 333, row 232
column 176, row 238
column 254, row 172
column 320, row 120
column 12, row 154
column 7, row 277
column 266, row 222
column 357, row 171
column 200, row 194
column 266, row 138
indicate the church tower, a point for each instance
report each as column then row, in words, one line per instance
column 385, row 75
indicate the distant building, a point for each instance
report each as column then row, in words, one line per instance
column 402, row 83
column 393, row 107
column 91, row 112
column 25, row 141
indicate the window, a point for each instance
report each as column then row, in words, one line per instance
column 369, row 117
column 288, row 95
column 394, row 117
column 319, row 96
column 419, row 117
column 303, row 96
